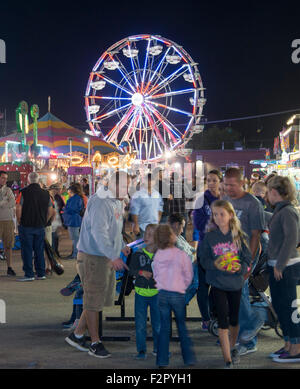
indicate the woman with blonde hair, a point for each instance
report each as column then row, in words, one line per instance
column 284, row 265
column 225, row 256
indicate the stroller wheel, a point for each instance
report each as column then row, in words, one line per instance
column 213, row 327
column 278, row 329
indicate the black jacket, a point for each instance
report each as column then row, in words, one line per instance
column 141, row 261
column 35, row 203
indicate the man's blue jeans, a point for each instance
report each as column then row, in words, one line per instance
column 32, row 246
column 141, row 307
column 168, row 302
column 249, row 319
column 284, row 301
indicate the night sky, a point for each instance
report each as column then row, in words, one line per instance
column 243, row 51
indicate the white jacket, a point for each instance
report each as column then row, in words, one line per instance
column 101, row 228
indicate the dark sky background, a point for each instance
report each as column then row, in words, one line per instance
column 243, row 50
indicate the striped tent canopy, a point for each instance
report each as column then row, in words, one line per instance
column 53, row 134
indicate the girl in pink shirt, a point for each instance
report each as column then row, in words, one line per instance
column 173, row 273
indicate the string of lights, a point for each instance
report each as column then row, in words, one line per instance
column 205, row 122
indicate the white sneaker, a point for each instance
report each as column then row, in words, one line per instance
column 243, row 350
column 25, row 279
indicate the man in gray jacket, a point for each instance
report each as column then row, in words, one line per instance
column 7, row 226
column 99, row 248
column 250, row 212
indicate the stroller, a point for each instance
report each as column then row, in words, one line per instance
column 258, row 284
column 260, row 301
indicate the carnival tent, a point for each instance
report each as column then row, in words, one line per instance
column 55, row 135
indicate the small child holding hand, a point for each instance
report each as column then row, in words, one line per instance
column 173, row 273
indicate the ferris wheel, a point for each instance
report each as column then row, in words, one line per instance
column 145, row 93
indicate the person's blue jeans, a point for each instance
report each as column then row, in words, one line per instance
column 168, row 302
column 284, row 301
column 249, row 319
column 32, row 247
column 140, row 307
column 74, row 236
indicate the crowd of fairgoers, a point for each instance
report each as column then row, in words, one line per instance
column 238, row 226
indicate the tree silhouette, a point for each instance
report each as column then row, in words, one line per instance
column 214, row 138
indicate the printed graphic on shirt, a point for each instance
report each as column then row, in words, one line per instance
column 208, row 210
column 118, row 214
column 239, row 213
column 145, row 260
column 223, row 248
column 228, row 259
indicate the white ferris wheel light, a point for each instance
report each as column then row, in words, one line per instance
column 111, row 65
column 188, row 77
column 168, row 154
column 155, row 50
column 130, row 53
column 173, row 59
column 197, row 129
column 98, row 85
column 89, row 132
column 200, row 102
column 93, row 108
column 137, row 99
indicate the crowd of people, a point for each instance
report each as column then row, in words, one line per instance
column 230, row 220
column 235, row 223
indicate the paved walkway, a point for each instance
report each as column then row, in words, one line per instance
column 32, row 336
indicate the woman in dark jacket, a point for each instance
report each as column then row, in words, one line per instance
column 72, row 216
column 284, row 265
column 201, row 216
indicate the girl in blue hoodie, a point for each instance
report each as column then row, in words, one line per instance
column 201, row 216
column 225, row 256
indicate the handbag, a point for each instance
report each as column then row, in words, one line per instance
column 55, row 264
